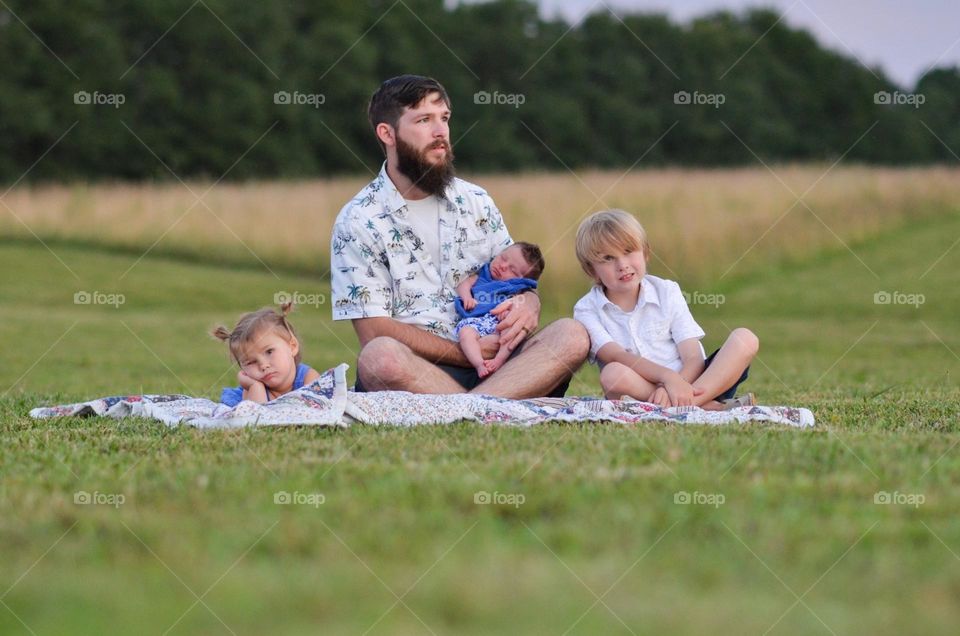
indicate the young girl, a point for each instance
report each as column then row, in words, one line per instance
column 512, row 271
column 265, row 346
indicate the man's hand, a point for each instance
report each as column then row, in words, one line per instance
column 519, row 317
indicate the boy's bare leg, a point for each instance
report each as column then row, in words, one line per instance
column 470, row 344
column 618, row 380
column 548, row 358
column 734, row 356
column 386, row 364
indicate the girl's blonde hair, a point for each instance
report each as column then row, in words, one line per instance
column 252, row 325
column 609, row 232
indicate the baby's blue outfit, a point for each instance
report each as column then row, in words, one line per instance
column 489, row 292
column 231, row 396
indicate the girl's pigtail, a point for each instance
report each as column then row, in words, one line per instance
column 221, row 333
column 285, row 309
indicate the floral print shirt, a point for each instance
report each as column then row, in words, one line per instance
column 378, row 265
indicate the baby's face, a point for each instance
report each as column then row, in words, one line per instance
column 510, row 264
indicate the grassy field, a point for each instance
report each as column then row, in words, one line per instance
column 793, row 543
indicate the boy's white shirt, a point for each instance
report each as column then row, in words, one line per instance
column 651, row 330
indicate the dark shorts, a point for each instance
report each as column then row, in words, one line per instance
column 467, row 376
column 732, row 391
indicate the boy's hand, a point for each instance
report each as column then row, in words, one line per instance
column 469, row 303
column 660, row 397
column 680, row 391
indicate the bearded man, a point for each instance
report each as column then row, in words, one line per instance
column 401, row 246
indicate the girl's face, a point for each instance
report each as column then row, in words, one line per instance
column 270, row 358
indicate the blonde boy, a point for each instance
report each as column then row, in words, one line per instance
column 641, row 331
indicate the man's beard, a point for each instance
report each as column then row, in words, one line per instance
column 431, row 178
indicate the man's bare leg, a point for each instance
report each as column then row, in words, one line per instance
column 548, row 358
column 386, row 364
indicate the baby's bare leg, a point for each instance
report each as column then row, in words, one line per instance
column 470, row 345
column 497, row 361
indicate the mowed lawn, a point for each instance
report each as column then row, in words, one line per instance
column 787, row 537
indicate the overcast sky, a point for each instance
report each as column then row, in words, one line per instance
column 903, row 37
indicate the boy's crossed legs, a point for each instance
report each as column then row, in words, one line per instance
column 724, row 371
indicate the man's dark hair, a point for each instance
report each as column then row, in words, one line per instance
column 531, row 254
column 395, row 94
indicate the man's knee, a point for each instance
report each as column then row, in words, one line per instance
column 382, row 362
column 572, row 337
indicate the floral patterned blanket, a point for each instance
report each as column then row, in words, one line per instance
column 327, row 402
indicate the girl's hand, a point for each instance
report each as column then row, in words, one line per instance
column 245, row 380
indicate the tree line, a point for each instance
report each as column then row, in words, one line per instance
column 149, row 89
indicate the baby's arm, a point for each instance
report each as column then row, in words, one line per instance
column 465, row 291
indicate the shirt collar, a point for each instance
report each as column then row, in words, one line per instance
column 648, row 294
column 392, row 198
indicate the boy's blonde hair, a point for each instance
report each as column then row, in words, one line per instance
column 609, row 232
column 251, row 325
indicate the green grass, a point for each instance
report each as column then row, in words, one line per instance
column 399, row 519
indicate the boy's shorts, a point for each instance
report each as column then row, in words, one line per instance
column 467, row 376
column 732, row 391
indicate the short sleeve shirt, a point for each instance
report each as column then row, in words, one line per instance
column 652, row 330
column 378, row 264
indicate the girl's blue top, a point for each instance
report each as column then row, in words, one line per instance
column 231, row 396
column 489, row 292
